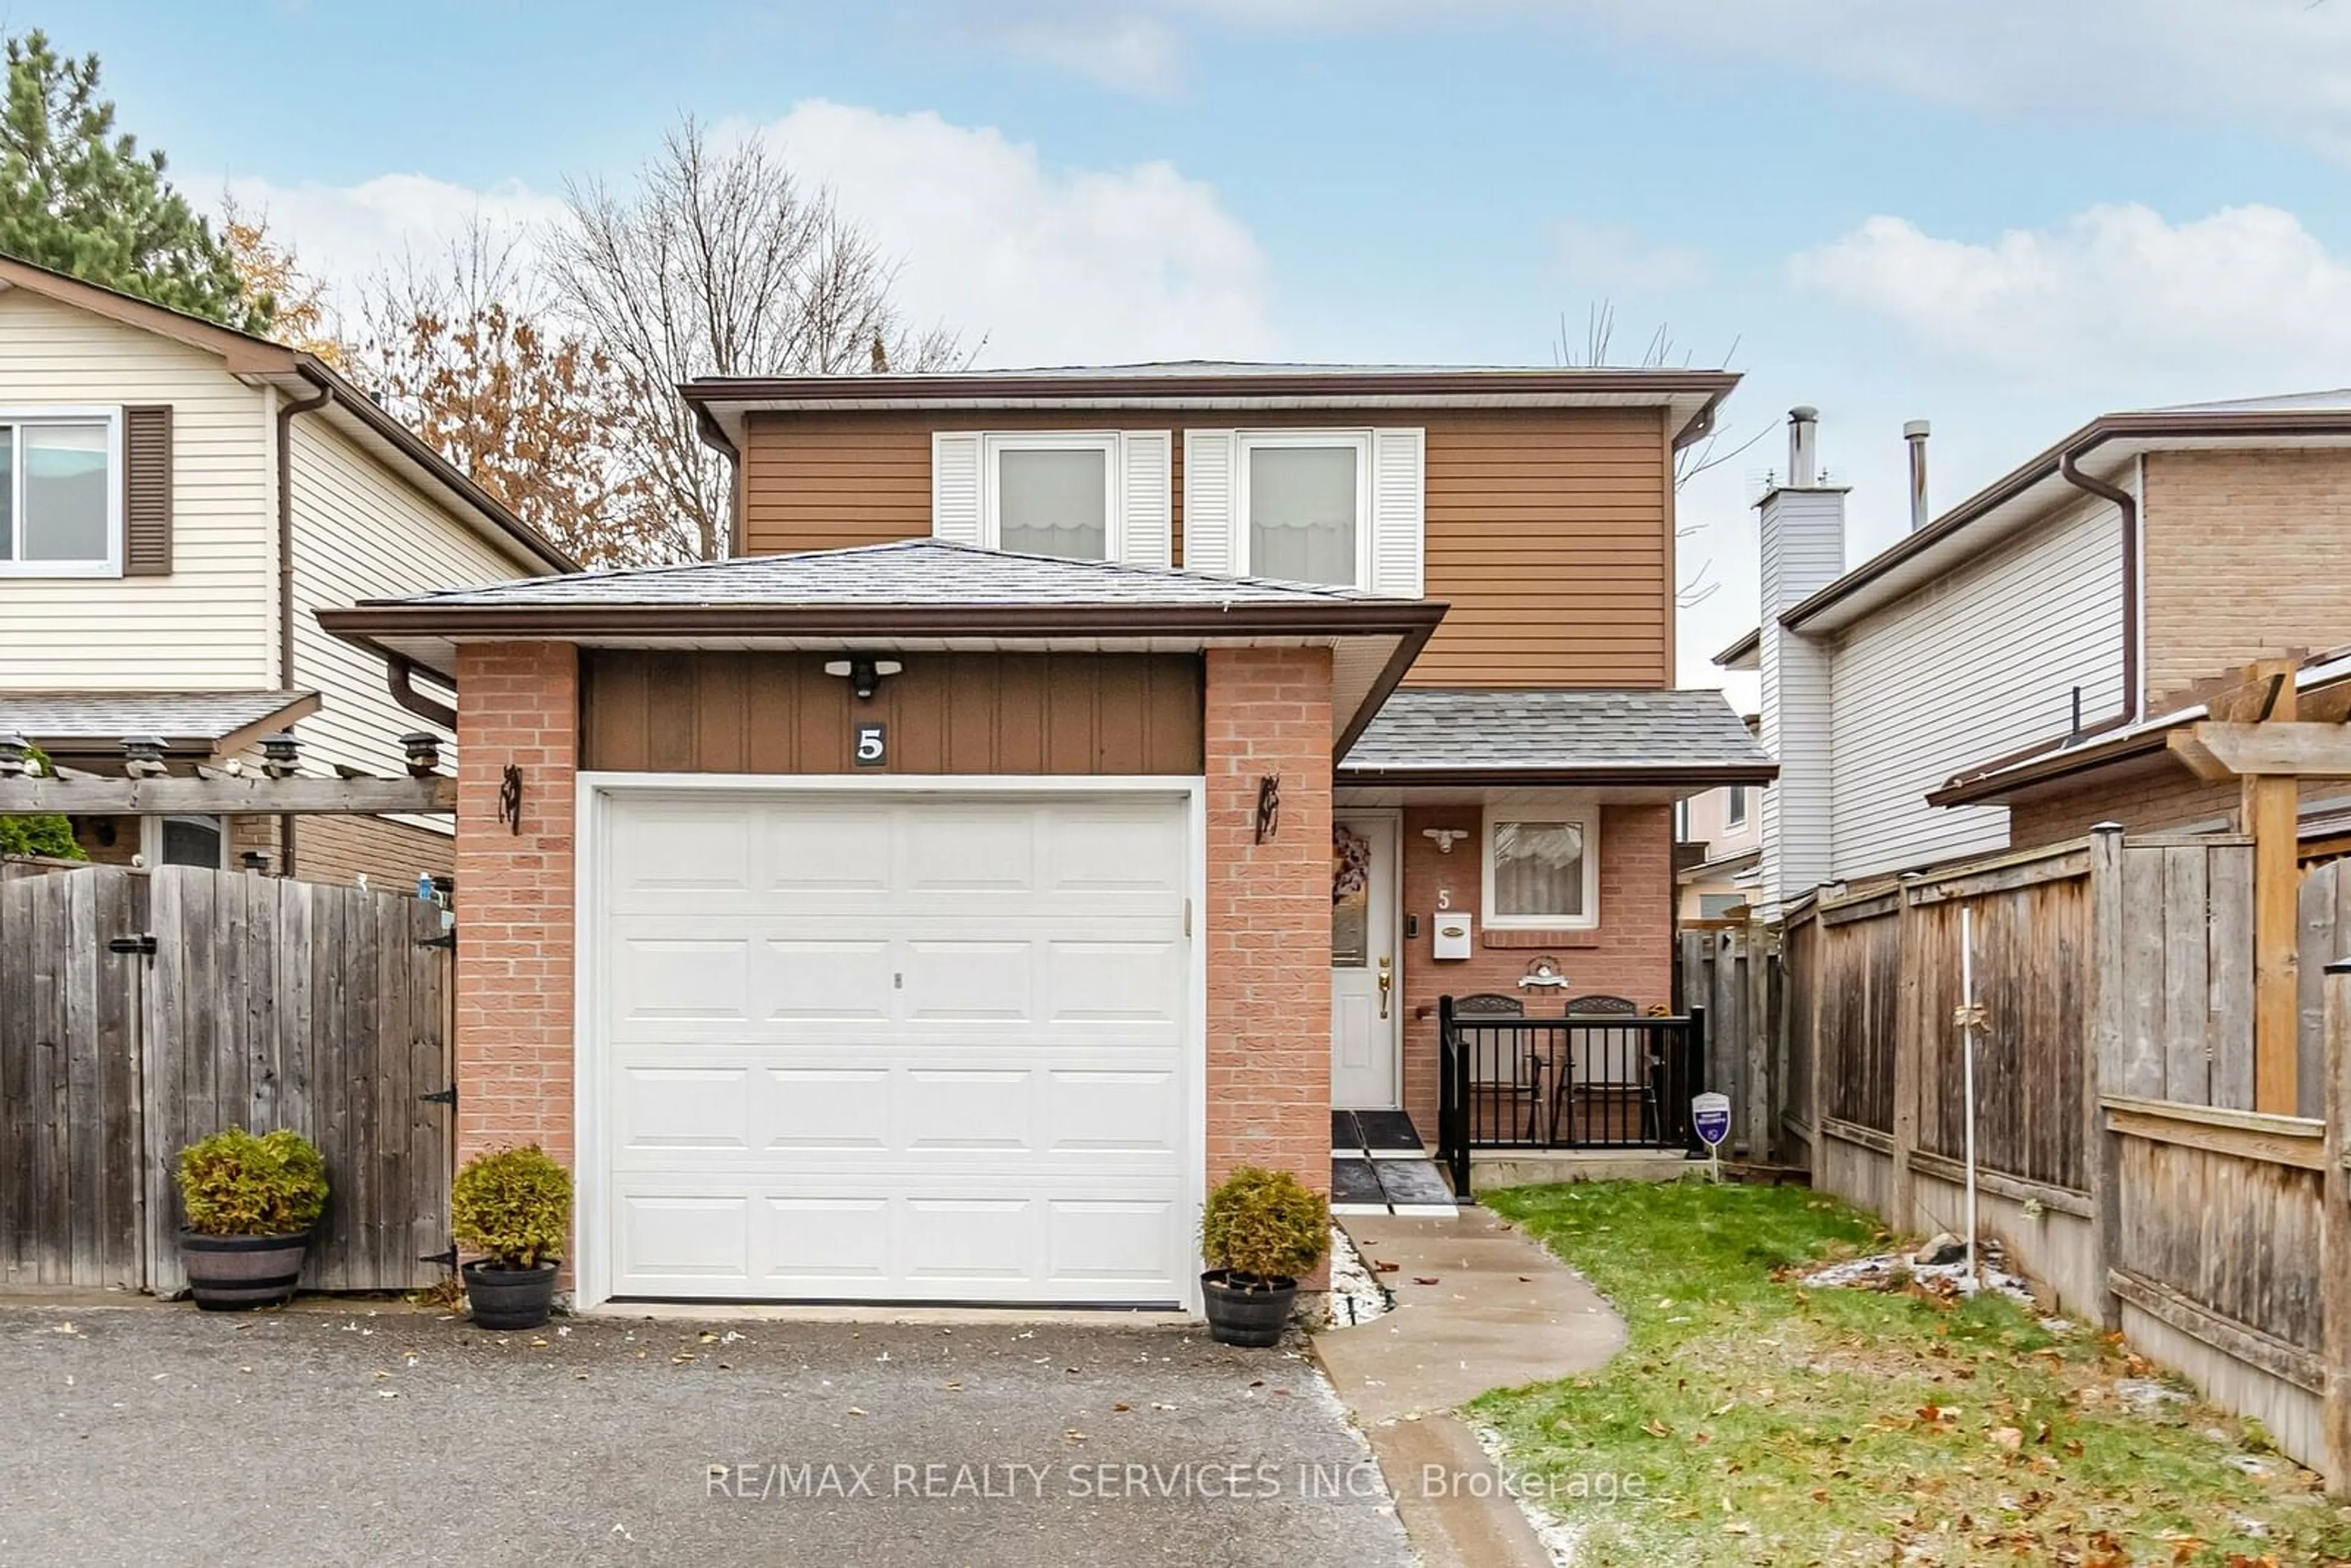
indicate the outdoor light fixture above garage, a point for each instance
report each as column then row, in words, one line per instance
column 864, row 676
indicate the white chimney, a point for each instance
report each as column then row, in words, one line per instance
column 1803, row 527
column 1915, row 433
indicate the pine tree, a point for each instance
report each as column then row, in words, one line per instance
column 79, row 198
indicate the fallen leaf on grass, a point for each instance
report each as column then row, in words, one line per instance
column 1419, row 1280
column 2007, row 1438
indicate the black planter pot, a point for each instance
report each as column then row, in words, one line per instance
column 236, row 1273
column 1252, row 1314
column 510, row 1297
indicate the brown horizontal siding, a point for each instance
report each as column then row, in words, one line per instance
column 1549, row 530
column 1099, row 713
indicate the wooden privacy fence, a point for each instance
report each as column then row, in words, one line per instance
column 2119, row 1152
column 140, row 1011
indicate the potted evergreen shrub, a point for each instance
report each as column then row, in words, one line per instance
column 1261, row 1230
column 514, row 1207
column 250, row 1202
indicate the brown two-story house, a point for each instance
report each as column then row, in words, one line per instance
column 1079, row 783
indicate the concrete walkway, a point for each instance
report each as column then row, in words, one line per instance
column 1479, row 1307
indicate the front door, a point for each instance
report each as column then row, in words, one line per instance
column 1365, row 980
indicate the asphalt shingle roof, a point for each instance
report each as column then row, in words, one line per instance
column 907, row 572
column 175, row 716
column 1596, row 731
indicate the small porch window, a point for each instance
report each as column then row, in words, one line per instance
column 1541, row 872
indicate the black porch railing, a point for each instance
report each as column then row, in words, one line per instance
column 1597, row 1081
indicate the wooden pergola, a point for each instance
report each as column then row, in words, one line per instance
column 2269, row 737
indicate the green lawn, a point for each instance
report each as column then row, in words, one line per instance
column 1766, row 1423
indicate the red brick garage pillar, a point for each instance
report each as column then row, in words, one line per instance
column 1268, row 914
column 517, row 703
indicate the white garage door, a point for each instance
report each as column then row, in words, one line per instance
column 905, row 1048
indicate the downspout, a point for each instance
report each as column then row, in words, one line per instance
column 2128, row 505
column 285, row 414
column 399, row 678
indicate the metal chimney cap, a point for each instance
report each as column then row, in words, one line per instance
column 1916, row 429
column 1805, row 413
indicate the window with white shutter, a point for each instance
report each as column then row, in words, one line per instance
column 1080, row 494
column 1339, row 507
column 955, row 487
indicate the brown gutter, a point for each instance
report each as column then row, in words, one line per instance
column 1994, row 785
column 1402, row 617
column 2048, row 464
column 1332, row 384
column 398, row 674
column 1707, row 775
column 287, row 411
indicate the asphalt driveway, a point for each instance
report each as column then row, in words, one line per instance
column 158, row 1434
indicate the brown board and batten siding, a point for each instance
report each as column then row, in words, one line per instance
column 1086, row 713
column 1549, row 531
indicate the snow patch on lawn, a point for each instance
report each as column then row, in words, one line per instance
column 1356, row 1295
column 1891, row 1271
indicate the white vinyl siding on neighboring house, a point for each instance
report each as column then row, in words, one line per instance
column 1976, row 665
column 358, row 533
column 206, row 624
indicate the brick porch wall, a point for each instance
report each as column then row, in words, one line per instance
column 519, row 703
column 1629, row 955
column 1269, row 916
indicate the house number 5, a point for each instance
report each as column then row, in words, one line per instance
column 873, row 745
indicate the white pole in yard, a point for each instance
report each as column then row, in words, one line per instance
column 1967, row 1019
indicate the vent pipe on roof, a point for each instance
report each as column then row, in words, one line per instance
column 1915, row 433
column 1804, row 429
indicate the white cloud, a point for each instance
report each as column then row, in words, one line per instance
column 2285, row 64
column 1130, row 53
column 1049, row 265
column 1611, row 258
column 1054, row 266
column 2243, row 300
column 348, row 232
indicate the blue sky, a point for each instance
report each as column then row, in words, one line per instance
column 2003, row 217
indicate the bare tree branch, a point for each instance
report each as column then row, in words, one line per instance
column 721, row 261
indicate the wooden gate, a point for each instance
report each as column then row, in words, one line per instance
column 140, row 1010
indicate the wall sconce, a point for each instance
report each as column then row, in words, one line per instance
column 1543, row 974
column 15, row 755
column 864, row 673
column 281, row 754
column 1446, row 837
column 142, row 755
column 423, row 748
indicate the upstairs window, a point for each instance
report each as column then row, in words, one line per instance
column 1087, row 495
column 1052, row 494
column 59, row 493
column 1334, row 507
column 1304, row 499
column 1734, row 814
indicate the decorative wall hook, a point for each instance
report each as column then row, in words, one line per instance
column 1268, row 806
column 1543, row 974
column 510, row 799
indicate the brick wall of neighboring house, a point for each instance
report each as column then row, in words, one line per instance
column 2232, row 538
column 520, row 705
column 1629, row 954
column 1268, row 914
column 388, row 853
